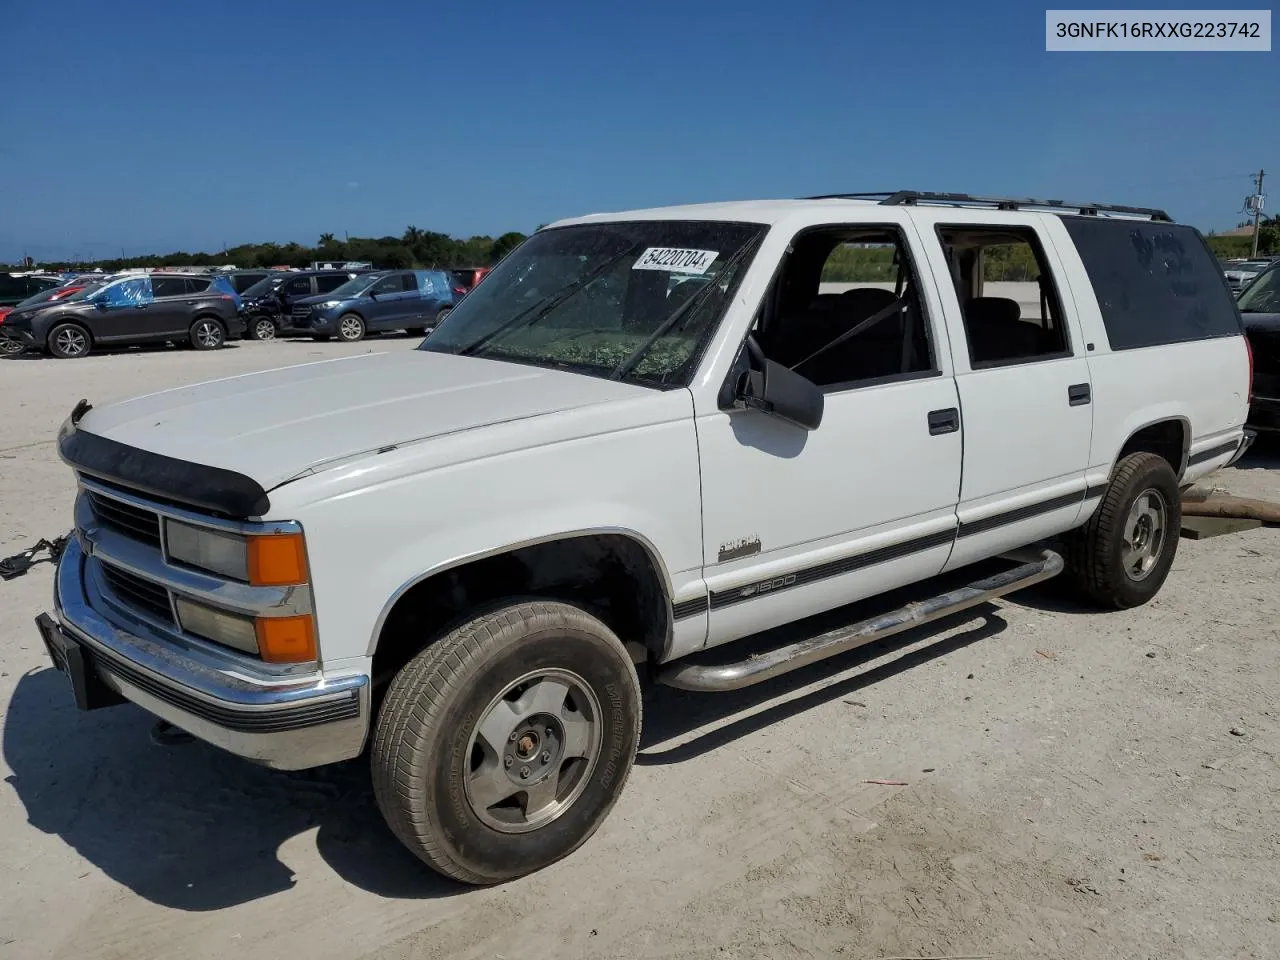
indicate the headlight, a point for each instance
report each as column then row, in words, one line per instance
column 212, row 550
column 263, row 560
column 217, row 625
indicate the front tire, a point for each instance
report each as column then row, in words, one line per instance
column 501, row 747
column 1121, row 557
column 350, row 328
column 208, row 334
column 69, row 341
column 261, row 328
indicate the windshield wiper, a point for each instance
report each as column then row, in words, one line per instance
column 665, row 327
column 532, row 314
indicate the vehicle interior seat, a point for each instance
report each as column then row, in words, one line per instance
column 997, row 331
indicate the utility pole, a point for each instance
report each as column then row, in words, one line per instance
column 1257, row 212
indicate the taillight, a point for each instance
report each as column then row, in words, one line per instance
column 459, row 290
column 1248, row 349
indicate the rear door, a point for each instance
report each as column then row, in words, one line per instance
column 169, row 314
column 1022, row 375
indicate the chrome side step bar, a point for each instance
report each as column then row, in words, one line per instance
column 773, row 663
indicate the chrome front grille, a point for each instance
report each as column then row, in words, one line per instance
column 134, row 522
column 137, row 592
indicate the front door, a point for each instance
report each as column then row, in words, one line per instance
column 386, row 308
column 1025, row 390
column 124, row 312
column 798, row 521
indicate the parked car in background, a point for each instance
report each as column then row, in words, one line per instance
column 1260, row 308
column 467, row 277
column 1240, row 275
column 16, row 288
column 412, row 300
column 199, row 310
column 268, row 305
column 242, row 280
column 45, row 298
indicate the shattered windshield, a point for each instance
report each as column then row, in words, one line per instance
column 635, row 299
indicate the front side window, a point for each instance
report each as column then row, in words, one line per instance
column 387, row 286
column 1263, row 295
column 846, row 310
column 598, row 299
column 128, row 293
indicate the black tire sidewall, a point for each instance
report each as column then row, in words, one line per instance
column 478, row 847
column 1160, row 477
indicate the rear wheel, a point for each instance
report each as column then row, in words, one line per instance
column 1121, row 557
column 262, row 328
column 68, row 341
column 350, row 328
column 208, row 334
column 502, row 746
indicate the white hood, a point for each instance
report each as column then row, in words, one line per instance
column 275, row 425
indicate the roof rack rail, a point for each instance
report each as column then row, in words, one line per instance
column 909, row 197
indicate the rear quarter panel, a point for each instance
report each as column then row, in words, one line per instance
column 1202, row 383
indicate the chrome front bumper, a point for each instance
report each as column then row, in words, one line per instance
column 288, row 723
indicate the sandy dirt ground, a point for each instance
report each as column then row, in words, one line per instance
column 1078, row 785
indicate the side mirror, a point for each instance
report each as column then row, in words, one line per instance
column 775, row 390
column 371, row 295
column 100, row 304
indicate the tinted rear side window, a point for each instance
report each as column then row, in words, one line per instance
column 1155, row 282
column 330, row 282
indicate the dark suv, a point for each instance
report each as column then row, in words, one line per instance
column 199, row 310
column 268, row 305
column 14, row 290
column 1260, row 307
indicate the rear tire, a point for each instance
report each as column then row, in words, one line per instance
column 208, row 334
column 351, row 328
column 1121, row 557
column 69, row 341
column 502, row 746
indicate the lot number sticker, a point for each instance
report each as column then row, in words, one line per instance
column 676, row 260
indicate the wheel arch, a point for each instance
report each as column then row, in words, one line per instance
column 615, row 573
column 1167, row 436
column 55, row 322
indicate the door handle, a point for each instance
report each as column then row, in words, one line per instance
column 1078, row 394
column 944, row 421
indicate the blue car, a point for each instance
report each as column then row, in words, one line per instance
column 412, row 300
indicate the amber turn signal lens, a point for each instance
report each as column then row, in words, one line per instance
column 286, row 639
column 277, row 560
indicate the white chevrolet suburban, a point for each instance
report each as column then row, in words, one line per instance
column 645, row 434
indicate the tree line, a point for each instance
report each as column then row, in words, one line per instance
column 413, row 248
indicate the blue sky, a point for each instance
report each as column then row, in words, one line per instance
column 156, row 126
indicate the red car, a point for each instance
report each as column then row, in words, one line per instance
column 466, row 278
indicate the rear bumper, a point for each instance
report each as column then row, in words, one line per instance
column 284, row 724
column 1264, row 413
